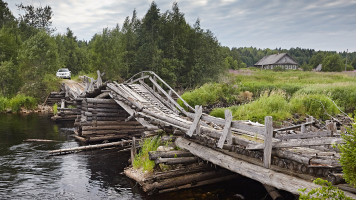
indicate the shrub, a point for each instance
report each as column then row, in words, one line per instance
column 348, row 155
column 269, row 104
column 317, row 105
column 220, row 112
column 55, row 108
column 4, row 103
column 211, row 93
column 142, row 158
column 22, row 101
column 327, row 191
column 278, row 69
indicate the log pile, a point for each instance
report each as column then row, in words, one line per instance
column 55, row 97
column 104, row 119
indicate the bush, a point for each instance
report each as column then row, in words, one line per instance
column 348, row 155
column 278, row 69
column 220, row 112
column 4, row 103
column 142, row 158
column 269, row 104
column 22, row 101
column 327, row 191
column 55, row 108
column 211, row 93
column 317, row 105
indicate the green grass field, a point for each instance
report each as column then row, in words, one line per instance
column 279, row 94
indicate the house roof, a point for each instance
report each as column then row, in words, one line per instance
column 274, row 58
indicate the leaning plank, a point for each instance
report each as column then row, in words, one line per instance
column 298, row 143
column 306, row 135
column 258, row 173
column 268, row 142
column 226, row 131
column 294, row 127
column 195, row 126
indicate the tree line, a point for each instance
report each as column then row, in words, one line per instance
column 183, row 54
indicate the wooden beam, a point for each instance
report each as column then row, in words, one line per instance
column 305, row 135
column 195, row 126
column 298, row 143
column 268, row 142
column 258, row 173
column 226, row 134
column 293, row 127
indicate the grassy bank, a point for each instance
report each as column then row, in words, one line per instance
column 17, row 102
column 279, row 94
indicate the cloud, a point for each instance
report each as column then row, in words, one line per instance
column 319, row 24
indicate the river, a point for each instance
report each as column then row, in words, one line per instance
column 28, row 172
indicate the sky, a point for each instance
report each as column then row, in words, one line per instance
column 315, row 24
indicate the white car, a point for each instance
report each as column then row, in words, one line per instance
column 63, row 73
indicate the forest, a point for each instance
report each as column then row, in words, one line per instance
column 184, row 54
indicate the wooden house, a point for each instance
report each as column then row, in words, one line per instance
column 280, row 59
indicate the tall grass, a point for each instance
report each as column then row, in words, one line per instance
column 211, row 93
column 142, row 158
column 277, row 105
column 17, row 102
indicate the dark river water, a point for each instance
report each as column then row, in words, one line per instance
column 28, row 172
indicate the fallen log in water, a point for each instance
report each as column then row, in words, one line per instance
column 90, row 147
column 39, row 140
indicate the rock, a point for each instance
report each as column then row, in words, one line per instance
column 8, row 110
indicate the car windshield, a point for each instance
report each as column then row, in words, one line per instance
column 63, row 70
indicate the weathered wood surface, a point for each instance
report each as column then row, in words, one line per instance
column 153, row 155
column 195, row 127
column 267, row 150
column 226, row 134
column 39, row 140
column 273, row 192
column 293, row 127
column 299, row 143
column 261, row 174
column 305, row 135
column 175, row 161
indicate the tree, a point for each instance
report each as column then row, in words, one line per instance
column 6, row 15
column 332, row 63
column 306, row 67
column 10, row 81
column 38, row 18
column 38, row 56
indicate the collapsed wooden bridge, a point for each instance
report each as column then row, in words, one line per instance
column 285, row 158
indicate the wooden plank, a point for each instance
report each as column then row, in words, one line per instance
column 306, row 135
column 226, row 130
column 141, row 78
column 258, row 173
column 175, row 161
column 294, row 127
column 169, row 97
column 268, row 142
column 153, row 155
column 133, row 150
column 298, row 143
column 195, row 125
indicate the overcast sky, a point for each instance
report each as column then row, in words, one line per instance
column 316, row 24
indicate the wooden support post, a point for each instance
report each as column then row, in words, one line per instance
column 154, row 87
column 63, row 103
column 170, row 93
column 226, row 135
column 268, row 142
column 133, row 150
column 196, row 126
column 302, row 129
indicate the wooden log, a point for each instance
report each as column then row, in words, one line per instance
column 90, row 105
column 105, row 110
column 133, row 150
column 109, row 137
column 39, row 140
column 299, row 143
column 182, row 180
column 100, row 101
column 153, row 155
column 103, row 132
column 268, row 142
column 97, row 146
column 293, row 127
column 306, row 135
column 116, row 127
column 119, row 114
column 261, row 174
column 201, row 183
column 273, row 192
column 175, row 161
